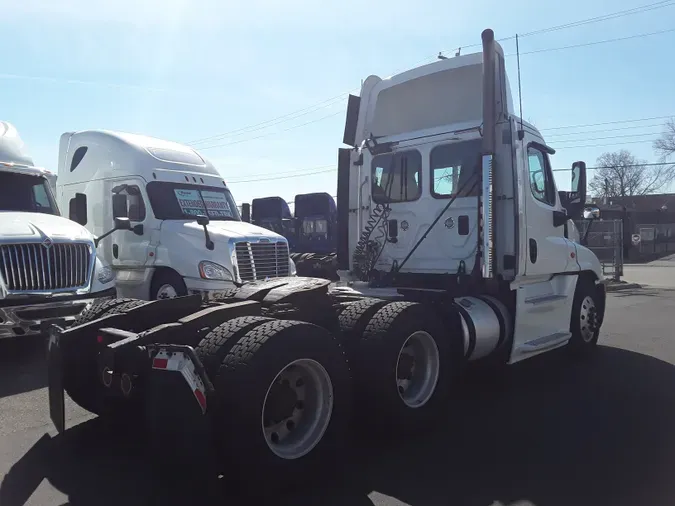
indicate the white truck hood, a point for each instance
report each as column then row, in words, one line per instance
column 21, row 226
column 221, row 229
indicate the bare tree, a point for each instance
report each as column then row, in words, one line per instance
column 665, row 146
column 621, row 174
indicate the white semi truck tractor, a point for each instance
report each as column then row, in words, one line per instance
column 187, row 236
column 48, row 264
column 453, row 249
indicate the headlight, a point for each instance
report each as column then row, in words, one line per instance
column 210, row 270
column 291, row 267
column 105, row 274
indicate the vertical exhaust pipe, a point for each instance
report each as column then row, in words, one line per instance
column 486, row 236
column 489, row 98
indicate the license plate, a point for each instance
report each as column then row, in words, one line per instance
column 55, row 379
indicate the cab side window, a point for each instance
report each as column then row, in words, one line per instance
column 396, row 177
column 541, row 177
column 135, row 203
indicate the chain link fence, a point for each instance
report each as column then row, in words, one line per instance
column 605, row 239
column 654, row 240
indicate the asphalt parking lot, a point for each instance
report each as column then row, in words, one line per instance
column 552, row 432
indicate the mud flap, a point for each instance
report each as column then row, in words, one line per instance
column 55, row 379
column 179, row 424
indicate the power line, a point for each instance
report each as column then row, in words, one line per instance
column 272, row 122
column 294, row 171
column 574, row 24
column 594, row 43
column 604, row 17
column 328, row 102
column 606, row 123
column 603, row 130
column 604, row 41
column 603, row 145
column 606, row 138
column 271, row 133
column 656, row 164
column 325, row 171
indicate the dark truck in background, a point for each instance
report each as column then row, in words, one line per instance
column 310, row 230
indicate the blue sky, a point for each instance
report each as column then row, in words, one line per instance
column 190, row 69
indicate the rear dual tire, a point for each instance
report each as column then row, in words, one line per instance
column 404, row 365
column 283, row 402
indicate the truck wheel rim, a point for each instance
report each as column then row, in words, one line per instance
column 166, row 292
column 297, row 409
column 588, row 319
column 417, row 369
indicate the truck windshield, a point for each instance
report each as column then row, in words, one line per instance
column 176, row 201
column 27, row 193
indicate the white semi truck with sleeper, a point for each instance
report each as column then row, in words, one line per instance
column 48, row 264
column 187, row 236
column 452, row 250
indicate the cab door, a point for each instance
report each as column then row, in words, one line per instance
column 546, row 290
column 545, row 217
column 130, row 248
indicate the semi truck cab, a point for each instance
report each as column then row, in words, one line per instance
column 187, row 236
column 315, row 216
column 48, row 265
column 456, row 193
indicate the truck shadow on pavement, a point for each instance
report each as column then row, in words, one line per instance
column 598, row 431
column 22, row 365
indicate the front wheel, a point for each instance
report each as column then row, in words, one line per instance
column 283, row 405
column 585, row 319
column 167, row 284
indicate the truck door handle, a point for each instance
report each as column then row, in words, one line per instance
column 533, row 251
column 116, row 250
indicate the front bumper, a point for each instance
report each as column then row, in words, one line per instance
column 207, row 289
column 25, row 317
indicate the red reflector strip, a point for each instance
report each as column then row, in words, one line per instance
column 201, row 399
column 99, row 339
column 160, row 363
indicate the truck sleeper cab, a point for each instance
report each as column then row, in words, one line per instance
column 187, row 235
column 273, row 213
column 453, row 252
column 48, row 265
column 311, row 232
column 315, row 214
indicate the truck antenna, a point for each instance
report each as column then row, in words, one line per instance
column 521, row 133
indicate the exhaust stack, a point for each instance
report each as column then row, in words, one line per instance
column 486, row 218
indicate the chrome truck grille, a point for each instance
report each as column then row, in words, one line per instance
column 34, row 267
column 260, row 260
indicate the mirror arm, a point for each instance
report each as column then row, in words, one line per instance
column 584, row 239
column 101, row 237
column 209, row 242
